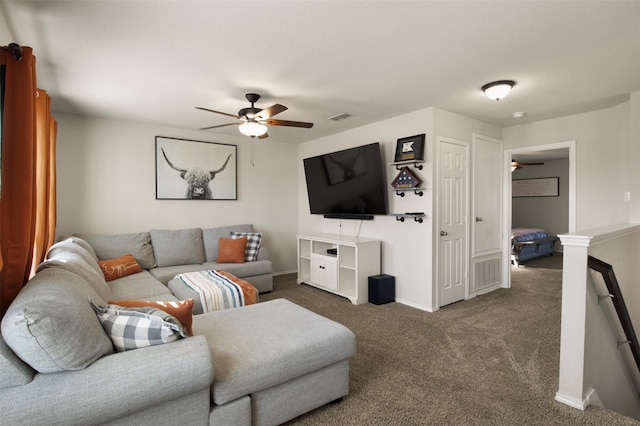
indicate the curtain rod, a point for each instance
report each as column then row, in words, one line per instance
column 15, row 49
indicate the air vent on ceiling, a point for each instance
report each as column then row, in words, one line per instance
column 339, row 117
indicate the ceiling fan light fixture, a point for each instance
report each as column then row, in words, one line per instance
column 253, row 129
column 497, row 90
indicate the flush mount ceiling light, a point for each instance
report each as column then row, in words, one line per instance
column 498, row 89
column 252, row 128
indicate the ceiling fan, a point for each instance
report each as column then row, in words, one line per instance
column 515, row 165
column 254, row 121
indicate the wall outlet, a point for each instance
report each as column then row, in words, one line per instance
column 627, row 196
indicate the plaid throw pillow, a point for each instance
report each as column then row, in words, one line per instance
column 253, row 244
column 134, row 328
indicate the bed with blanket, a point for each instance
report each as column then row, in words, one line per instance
column 530, row 243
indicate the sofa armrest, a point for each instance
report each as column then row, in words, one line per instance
column 263, row 253
column 114, row 386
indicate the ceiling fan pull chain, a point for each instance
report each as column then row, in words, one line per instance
column 253, row 144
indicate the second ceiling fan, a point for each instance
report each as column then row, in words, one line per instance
column 515, row 165
column 254, row 121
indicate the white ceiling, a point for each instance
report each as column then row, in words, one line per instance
column 154, row 61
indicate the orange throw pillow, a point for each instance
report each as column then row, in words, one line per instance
column 231, row 250
column 119, row 267
column 182, row 309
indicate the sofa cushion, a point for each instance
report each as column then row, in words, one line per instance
column 138, row 286
column 181, row 309
column 232, row 250
column 242, row 270
column 286, row 338
column 177, row 247
column 69, row 245
column 82, row 243
column 135, row 328
column 112, row 246
column 72, row 262
column 253, row 244
column 211, row 236
column 13, row 372
column 51, row 326
column 119, row 267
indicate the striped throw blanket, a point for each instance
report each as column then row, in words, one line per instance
column 219, row 290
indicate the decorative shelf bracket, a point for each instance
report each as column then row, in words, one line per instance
column 417, row 217
column 400, row 191
column 416, row 163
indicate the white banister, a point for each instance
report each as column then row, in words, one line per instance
column 594, row 369
column 573, row 320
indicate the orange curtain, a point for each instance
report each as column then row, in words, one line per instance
column 27, row 191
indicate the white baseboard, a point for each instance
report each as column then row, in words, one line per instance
column 579, row 404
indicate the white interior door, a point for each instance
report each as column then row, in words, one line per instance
column 452, row 221
column 486, row 222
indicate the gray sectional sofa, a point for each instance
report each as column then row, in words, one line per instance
column 262, row 364
column 165, row 253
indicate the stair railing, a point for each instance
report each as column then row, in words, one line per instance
column 618, row 302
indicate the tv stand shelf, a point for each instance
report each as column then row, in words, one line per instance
column 345, row 273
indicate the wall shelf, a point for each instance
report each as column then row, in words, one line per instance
column 400, row 164
column 417, row 217
column 400, row 191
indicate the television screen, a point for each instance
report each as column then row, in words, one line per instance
column 347, row 183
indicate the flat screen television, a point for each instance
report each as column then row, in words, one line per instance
column 347, row 184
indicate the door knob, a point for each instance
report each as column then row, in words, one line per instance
column 478, row 219
column 443, row 233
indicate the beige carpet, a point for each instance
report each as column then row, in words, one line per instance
column 492, row 360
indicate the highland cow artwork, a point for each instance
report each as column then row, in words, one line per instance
column 194, row 170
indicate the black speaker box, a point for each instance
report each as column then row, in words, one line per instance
column 382, row 289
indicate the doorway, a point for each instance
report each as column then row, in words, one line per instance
column 536, row 154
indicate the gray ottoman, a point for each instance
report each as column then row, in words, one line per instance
column 288, row 359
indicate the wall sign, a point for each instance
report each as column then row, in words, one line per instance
column 536, row 187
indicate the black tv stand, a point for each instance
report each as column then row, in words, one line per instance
column 348, row 216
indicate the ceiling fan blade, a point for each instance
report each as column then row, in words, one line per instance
column 266, row 135
column 220, row 125
column 531, row 164
column 287, row 123
column 270, row 112
column 218, row 112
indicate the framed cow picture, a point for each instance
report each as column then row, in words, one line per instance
column 195, row 170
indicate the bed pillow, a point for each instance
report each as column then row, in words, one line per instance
column 253, row 244
column 181, row 309
column 231, row 250
column 135, row 328
column 119, row 267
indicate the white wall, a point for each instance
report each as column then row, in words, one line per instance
column 603, row 161
column 407, row 247
column 634, row 187
column 106, row 185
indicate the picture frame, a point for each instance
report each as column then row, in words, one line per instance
column 535, row 187
column 410, row 148
column 195, row 170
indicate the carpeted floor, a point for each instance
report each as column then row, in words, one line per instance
column 491, row 360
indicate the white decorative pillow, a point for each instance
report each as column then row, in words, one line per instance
column 134, row 328
column 253, row 244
